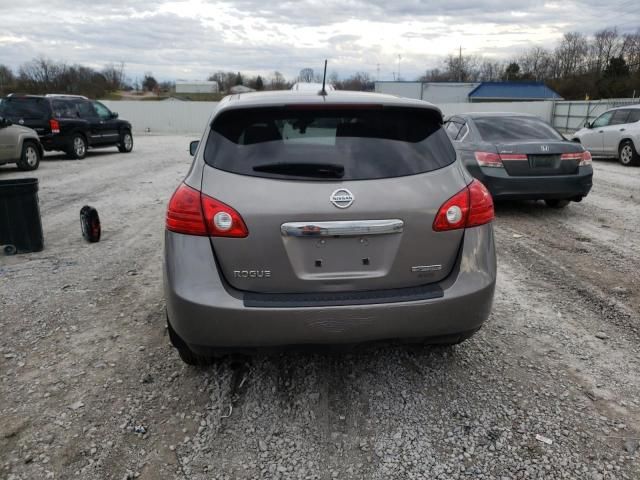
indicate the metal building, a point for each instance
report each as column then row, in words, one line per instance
column 197, row 87
column 434, row 92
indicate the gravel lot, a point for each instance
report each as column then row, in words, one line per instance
column 91, row 389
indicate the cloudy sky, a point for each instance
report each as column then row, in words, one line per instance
column 189, row 39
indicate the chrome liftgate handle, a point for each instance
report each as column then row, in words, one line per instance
column 348, row 228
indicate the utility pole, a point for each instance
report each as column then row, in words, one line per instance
column 399, row 57
column 460, row 65
column 377, row 71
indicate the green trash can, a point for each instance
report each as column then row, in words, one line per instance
column 20, row 225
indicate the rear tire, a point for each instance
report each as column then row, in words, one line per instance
column 78, row 148
column 30, row 157
column 556, row 203
column 627, row 154
column 126, row 142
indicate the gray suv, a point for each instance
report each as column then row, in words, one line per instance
column 19, row 145
column 325, row 219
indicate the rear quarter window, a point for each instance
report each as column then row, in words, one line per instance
column 369, row 142
column 31, row 108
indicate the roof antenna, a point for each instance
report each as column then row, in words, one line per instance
column 323, row 92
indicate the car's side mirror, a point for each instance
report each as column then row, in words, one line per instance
column 114, row 114
column 193, row 147
column 4, row 122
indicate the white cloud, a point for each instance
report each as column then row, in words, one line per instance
column 192, row 38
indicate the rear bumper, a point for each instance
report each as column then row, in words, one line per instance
column 54, row 142
column 504, row 187
column 206, row 313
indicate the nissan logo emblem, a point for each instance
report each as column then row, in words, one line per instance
column 342, row 198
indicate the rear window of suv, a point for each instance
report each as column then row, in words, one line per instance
column 34, row 108
column 362, row 142
column 501, row 129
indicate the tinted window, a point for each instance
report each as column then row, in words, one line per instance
column 501, row 129
column 367, row 142
column 14, row 108
column 619, row 117
column 64, row 109
column 85, row 109
column 634, row 116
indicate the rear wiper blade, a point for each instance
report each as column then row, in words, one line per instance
column 323, row 170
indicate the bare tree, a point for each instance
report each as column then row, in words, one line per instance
column 278, row 82
column 306, row 75
column 606, row 45
column 114, row 75
column 7, row 79
column 571, row 54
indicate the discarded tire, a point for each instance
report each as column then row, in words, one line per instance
column 20, row 224
column 90, row 224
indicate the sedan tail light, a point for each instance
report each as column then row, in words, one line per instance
column 583, row 158
column 55, row 125
column 193, row 213
column 470, row 207
column 491, row 159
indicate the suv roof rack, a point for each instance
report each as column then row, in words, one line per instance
column 64, row 95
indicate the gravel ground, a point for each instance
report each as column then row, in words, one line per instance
column 91, row 389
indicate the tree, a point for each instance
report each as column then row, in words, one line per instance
column 238, row 80
column 7, row 80
column 306, row 75
column 278, row 82
column 616, row 68
column 512, row 72
column 149, row 83
column 259, row 83
column 114, row 75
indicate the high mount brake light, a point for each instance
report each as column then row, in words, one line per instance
column 193, row 213
column 470, row 207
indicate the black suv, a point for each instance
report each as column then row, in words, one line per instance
column 69, row 123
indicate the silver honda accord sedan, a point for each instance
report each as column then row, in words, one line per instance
column 329, row 218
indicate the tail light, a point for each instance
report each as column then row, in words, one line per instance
column 55, row 125
column 193, row 213
column 470, row 207
column 583, row 158
column 490, row 159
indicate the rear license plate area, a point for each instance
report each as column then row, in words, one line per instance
column 543, row 161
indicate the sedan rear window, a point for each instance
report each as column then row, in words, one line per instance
column 33, row 108
column 501, row 129
column 346, row 142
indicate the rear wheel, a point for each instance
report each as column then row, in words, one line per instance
column 78, row 148
column 556, row 203
column 627, row 154
column 126, row 142
column 30, row 158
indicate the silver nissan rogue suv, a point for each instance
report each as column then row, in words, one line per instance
column 325, row 219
